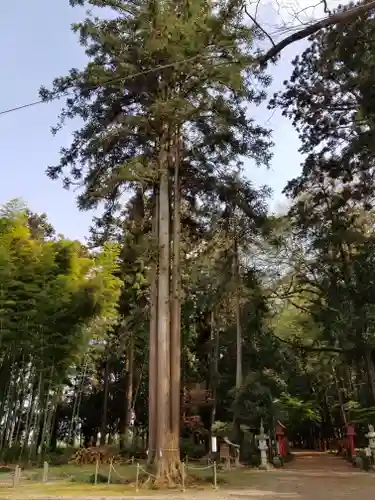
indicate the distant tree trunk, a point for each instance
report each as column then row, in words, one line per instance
column 215, row 343
column 129, row 387
column 236, row 272
column 238, row 320
column 153, row 343
column 368, row 355
column 103, row 427
column 129, row 367
column 339, row 395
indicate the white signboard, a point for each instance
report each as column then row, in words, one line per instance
column 214, row 444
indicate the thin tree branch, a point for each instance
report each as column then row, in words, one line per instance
column 259, row 26
column 311, row 348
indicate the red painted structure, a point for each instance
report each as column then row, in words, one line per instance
column 350, row 434
column 282, row 440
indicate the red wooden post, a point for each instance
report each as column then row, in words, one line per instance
column 350, row 434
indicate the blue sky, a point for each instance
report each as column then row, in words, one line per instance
column 38, row 46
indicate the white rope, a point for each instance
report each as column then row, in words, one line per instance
column 190, row 459
column 199, row 468
column 119, row 475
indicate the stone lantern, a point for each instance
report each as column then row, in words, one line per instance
column 263, row 447
column 371, row 440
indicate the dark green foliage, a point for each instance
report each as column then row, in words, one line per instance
column 330, row 99
column 193, row 73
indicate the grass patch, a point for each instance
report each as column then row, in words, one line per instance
column 77, row 481
column 83, row 473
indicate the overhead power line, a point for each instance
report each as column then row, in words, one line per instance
column 282, row 30
column 106, row 82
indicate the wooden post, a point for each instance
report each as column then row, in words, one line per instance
column 16, row 476
column 137, row 478
column 96, row 471
column 45, row 472
column 183, row 475
column 110, row 471
column 215, row 476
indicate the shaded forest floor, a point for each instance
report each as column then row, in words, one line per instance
column 309, row 477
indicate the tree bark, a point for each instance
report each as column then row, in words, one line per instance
column 129, row 367
column 215, row 342
column 238, row 319
column 175, row 331
column 236, row 424
column 339, row 395
column 153, row 344
column 163, row 395
column 129, row 387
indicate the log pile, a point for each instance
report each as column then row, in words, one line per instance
column 85, row 456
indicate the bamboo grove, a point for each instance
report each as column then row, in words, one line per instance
column 187, row 280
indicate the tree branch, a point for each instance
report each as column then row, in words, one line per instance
column 259, row 27
column 340, row 17
column 308, row 348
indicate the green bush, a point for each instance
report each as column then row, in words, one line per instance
column 249, row 455
column 136, row 451
column 192, row 450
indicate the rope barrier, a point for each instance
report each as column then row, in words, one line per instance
column 199, row 468
column 190, row 459
column 146, row 472
column 117, row 474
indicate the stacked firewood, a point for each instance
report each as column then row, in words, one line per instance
column 85, row 456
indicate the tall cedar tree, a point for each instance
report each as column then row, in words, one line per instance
column 163, row 100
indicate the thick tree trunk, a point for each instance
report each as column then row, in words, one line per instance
column 175, row 332
column 103, row 426
column 153, row 343
column 167, row 458
column 163, row 360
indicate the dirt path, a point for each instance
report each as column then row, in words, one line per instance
column 315, row 462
